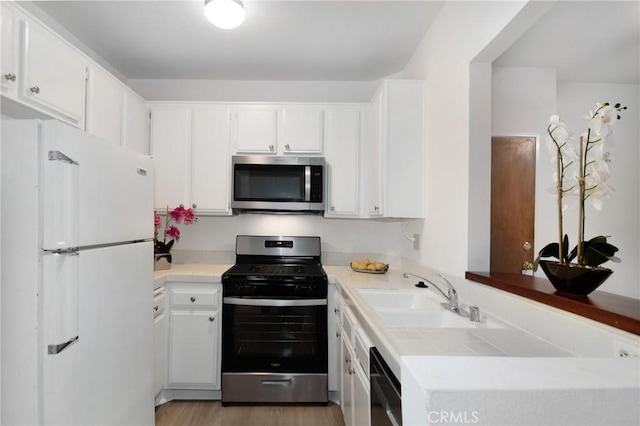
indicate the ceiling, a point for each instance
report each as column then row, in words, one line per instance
column 343, row 40
column 586, row 41
column 279, row 40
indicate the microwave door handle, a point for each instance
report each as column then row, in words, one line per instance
column 307, row 183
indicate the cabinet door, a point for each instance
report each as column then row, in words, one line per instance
column 346, row 394
column 301, row 130
column 333, row 334
column 361, row 401
column 136, row 123
column 54, row 75
column 403, row 149
column 104, row 106
column 210, row 160
column 9, row 51
column 193, row 349
column 160, row 352
column 256, row 130
column 342, row 136
column 373, row 174
column 170, row 149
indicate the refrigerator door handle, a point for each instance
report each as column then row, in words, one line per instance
column 59, row 156
column 56, row 349
column 60, row 296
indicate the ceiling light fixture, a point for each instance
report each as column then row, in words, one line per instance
column 225, row 14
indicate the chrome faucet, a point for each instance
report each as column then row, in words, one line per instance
column 451, row 296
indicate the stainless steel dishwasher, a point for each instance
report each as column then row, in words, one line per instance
column 386, row 395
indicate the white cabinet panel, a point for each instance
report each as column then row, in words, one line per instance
column 170, row 149
column 394, row 156
column 256, row 130
column 210, row 160
column 105, row 97
column 342, row 143
column 346, row 388
column 361, row 400
column 160, row 352
column 9, row 49
column 301, row 130
column 54, row 75
column 193, row 348
column 136, row 123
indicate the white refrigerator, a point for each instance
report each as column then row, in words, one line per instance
column 77, row 278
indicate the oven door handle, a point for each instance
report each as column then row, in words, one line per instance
column 273, row 302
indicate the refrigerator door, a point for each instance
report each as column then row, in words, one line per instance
column 93, row 191
column 106, row 377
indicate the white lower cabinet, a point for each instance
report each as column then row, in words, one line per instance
column 160, row 340
column 195, row 337
column 353, row 368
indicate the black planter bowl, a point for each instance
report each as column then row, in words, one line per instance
column 574, row 279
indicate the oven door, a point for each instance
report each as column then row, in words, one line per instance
column 274, row 335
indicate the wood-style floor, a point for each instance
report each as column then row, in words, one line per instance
column 212, row 413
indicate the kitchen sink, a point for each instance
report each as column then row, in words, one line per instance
column 418, row 309
column 401, row 299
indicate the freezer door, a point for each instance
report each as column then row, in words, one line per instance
column 93, row 192
column 106, row 377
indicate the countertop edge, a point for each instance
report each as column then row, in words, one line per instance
column 616, row 311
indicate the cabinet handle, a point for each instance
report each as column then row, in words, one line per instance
column 351, row 371
column 193, row 299
column 336, row 310
column 155, row 308
column 337, row 334
column 10, row 76
column 287, row 147
column 347, row 359
column 376, row 208
column 35, row 89
column 194, row 205
column 333, row 208
column 271, row 148
column 211, row 319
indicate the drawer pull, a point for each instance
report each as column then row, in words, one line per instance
column 10, row 76
column 193, row 299
column 34, row 89
column 155, row 308
column 337, row 334
column 211, row 319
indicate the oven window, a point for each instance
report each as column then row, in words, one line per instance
column 275, row 339
column 269, row 183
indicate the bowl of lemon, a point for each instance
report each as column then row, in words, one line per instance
column 369, row 267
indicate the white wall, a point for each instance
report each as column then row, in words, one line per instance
column 255, row 91
column 459, row 33
column 381, row 237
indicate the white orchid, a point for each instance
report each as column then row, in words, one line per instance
column 582, row 169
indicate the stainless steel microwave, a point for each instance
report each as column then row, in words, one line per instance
column 278, row 184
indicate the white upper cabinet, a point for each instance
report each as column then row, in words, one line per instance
column 105, row 99
column 211, row 161
column 301, row 130
column 394, row 155
column 170, row 149
column 190, row 148
column 136, row 123
column 255, row 130
column 9, row 49
column 342, row 132
column 54, row 75
column 272, row 129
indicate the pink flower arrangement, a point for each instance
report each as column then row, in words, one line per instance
column 177, row 215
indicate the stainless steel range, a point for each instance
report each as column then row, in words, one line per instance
column 274, row 322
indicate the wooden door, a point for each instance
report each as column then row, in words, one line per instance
column 512, row 203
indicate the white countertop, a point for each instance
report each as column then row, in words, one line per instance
column 472, row 373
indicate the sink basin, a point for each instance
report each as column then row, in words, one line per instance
column 401, row 299
column 417, row 309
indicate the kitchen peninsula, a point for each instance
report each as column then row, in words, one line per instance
column 480, row 368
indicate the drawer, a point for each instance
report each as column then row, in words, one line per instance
column 362, row 346
column 349, row 324
column 195, row 299
column 159, row 302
